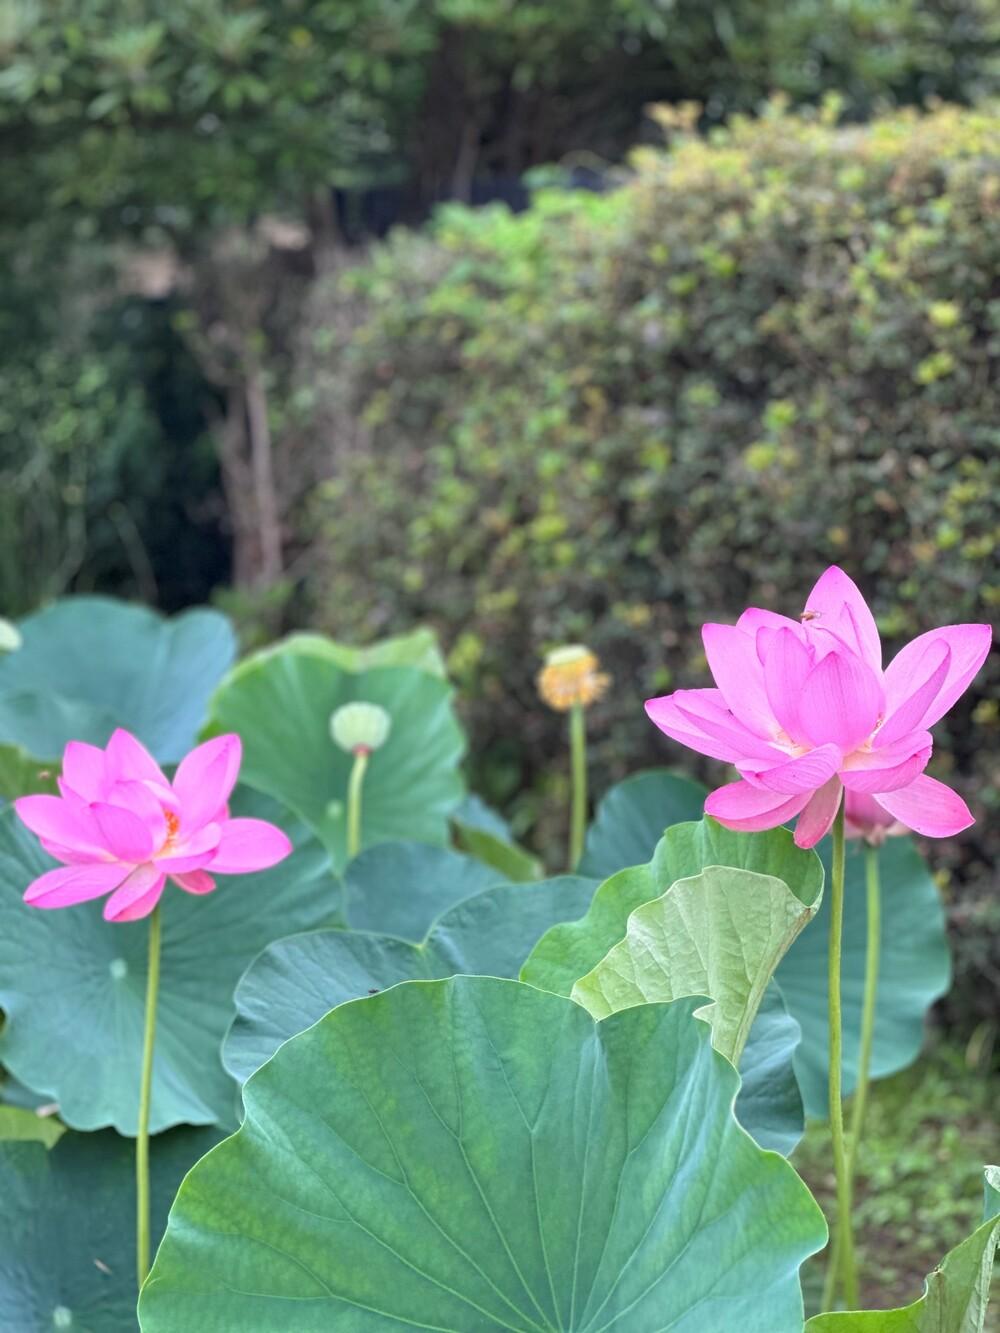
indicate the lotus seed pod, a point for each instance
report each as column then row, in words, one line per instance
column 570, row 676
column 360, row 727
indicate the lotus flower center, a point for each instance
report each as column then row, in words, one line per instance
column 173, row 825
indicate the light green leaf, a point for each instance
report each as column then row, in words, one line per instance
column 401, row 888
column 633, row 816
column 419, row 648
column 295, row 981
column 67, row 1216
column 720, row 933
column 72, row 987
column 19, row 1124
column 991, row 1192
column 914, row 970
column 89, row 664
column 956, row 1294
column 506, row 858
column 477, row 1154
column 280, row 702
column 570, row 951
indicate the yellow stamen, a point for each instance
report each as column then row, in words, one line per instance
column 571, row 676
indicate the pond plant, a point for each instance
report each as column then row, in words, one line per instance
column 394, row 1077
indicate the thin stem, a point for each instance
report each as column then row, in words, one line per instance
column 872, row 952
column 843, row 1246
column 578, row 775
column 145, row 1096
column 354, row 786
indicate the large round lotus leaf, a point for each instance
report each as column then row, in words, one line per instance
column 913, row 970
column 484, row 834
column 72, row 987
column 475, row 1154
column 569, row 951
column 280, row 702
column 401, row 888
column 956, row 1294
column 632, row 817
column 67, row 1217
column 90, row 664
column 296, row 980
column 769, row 1105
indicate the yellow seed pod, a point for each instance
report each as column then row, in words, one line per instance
column 570, row 676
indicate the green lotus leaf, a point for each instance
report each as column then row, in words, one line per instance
column 89, row 664
column 956, row 1294
column 476, row 1154
column 571, row 950
column 280, row 702
column 295, row 981
column 72, row 987
column 632, row 817
column 67, row 1216
column 482, row 833
column 419, row 648
column 914, row 970
column 19, row 1124
column 721, row 933
column 991, row 1193
column 401, row 888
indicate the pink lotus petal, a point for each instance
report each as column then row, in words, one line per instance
column 138, row 895
column 140, row 800
column 805, row 773
column 84, row 771
column 64, row 823
column 679, row 726
column 732, row 658
column 894, row 766
column 748, row 809
column 704, row 713
column 906, row 716
column 70, row 885
column 839, row 607
column 787, row 664
column 969, row 646
column 817, row 818
column 928, row 807
column 125, row 834
column 128, row 760
column 196, row 881
column 191, row 853
column 754, row 619
column 840, row 701
column 249, row 844
column 205, row 778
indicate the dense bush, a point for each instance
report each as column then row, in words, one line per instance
column 613, row 418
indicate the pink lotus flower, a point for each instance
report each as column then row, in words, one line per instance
column 865, row 818
column 804, row 710
column 121, row 827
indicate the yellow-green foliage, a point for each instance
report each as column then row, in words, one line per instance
column 614, row 417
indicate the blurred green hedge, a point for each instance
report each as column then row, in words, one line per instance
column 615, row 417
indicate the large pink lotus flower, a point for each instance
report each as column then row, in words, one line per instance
column 804, row 710
column 121, row 827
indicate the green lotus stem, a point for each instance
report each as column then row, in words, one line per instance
column 578, row 776
column 873, row 946
column 356, row 782
column 145, row 1096
column 842, row 1251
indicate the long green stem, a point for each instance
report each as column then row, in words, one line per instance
column 873, row 946
column 578, row 774
column 843, row 1246
column 354, row 787
column 145, row 1096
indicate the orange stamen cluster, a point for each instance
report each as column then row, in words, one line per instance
column 573, row 678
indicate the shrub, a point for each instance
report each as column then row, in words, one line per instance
column 614, row 417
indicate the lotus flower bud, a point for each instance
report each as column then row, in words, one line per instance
column 570, row 676
column 360, row 728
